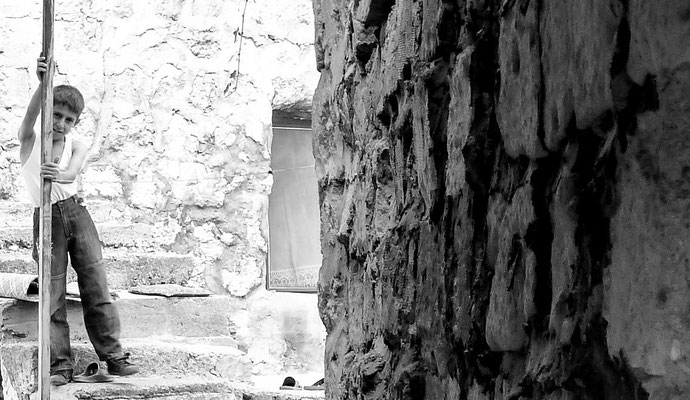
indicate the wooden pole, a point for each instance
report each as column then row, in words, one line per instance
column 44, row 273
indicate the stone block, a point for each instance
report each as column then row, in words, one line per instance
column 459, row 122
column 373, row 12
column 16, row 237
column 565, row 251
column 15, row 213
column 125, row 269
column 574, row 38
column 191, row 388
column 512, row 290
column 141, row 236
column 136, row 235
column 155, row 358
column 168, row 370
column 520, row 65
column 647, row 285
column 19, row 369
column 176, row 358
column 657, row 43
column 141, row 316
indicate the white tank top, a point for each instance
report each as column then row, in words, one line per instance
column 31, row 171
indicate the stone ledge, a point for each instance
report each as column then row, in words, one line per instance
column 159, row 358
column 161, row 388
column 180, row 389
column 141, row 316
column 15, row 213
column 175, row 359
column 147, row 388
column 125, row 268
column 168, row 371
column 129, row 236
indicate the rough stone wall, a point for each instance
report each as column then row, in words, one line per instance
column 505, row 196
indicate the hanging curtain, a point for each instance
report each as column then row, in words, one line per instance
column 294, row 224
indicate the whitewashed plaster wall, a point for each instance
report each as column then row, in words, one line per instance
column 177, row 114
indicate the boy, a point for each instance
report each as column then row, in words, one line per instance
column 73, row 233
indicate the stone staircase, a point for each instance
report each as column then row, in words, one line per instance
column 182, row 352
column 185, row 347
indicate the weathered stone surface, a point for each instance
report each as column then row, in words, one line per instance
column 521, row 81
column 512, row 290
column 577, row 43
column 161, row 388
column 504, row 202
column 181, row 371
column 646, row 285
column 162, row 358
column 125, row 269
column 656, row 38
column 141, row 316
column 178, row 118
column 277, row 332
column 19, row 368
column 177, row 389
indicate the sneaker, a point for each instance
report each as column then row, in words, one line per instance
column 59, row 378
column 120, row 366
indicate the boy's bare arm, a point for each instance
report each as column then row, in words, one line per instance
column 79, row 150
column 51, row 171
column 26, row 133
column 26, row 130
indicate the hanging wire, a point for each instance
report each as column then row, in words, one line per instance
column 239, row 50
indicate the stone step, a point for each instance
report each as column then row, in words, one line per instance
column 126, row 269
column 169, row 370
column 149, row 388
column 113, row 235
column 15, row 213
column 103, row 212
column 169, row 358
column 160, row 357
column 141, row 317
column 174, row 389
column 16, row 237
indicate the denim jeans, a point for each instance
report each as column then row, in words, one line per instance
column 74, row 233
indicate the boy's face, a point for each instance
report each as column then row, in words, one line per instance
column 63, row 120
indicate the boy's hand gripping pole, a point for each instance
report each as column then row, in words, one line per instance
column 45, row 246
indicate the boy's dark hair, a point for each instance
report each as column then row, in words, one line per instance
column 69, row 96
